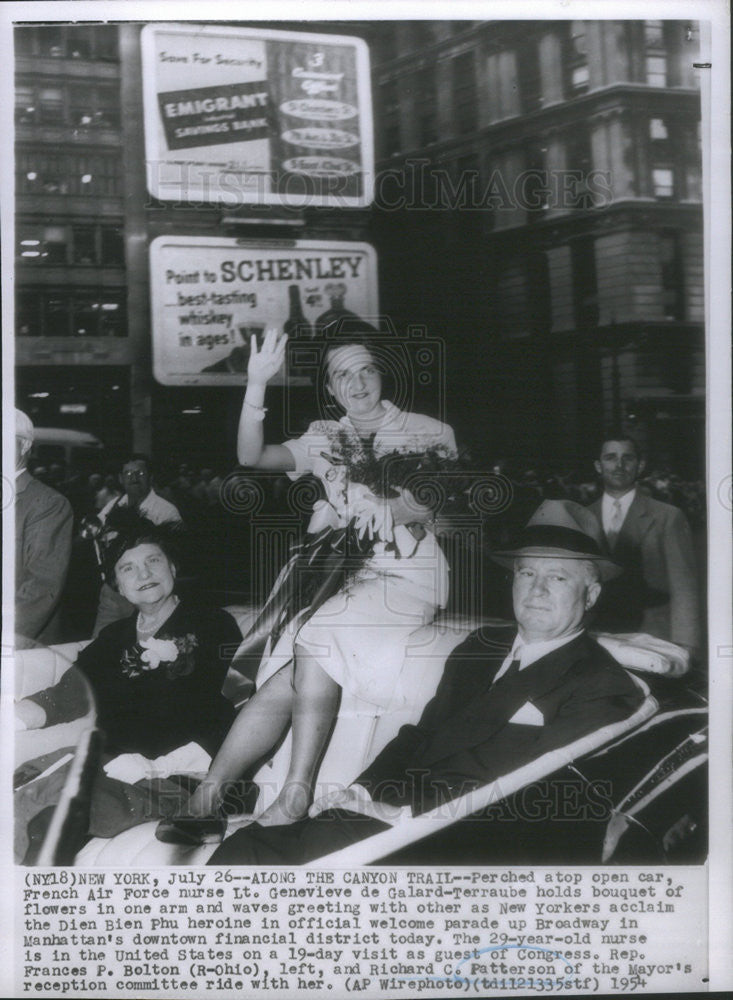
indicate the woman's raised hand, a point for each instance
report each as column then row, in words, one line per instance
column 268, row 360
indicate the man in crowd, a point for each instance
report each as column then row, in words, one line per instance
column 43, row 527
column 503, row 701
column 138, row 494
column 657, row 592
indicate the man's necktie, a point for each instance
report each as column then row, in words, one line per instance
column 617, row 519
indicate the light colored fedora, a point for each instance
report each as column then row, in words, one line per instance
column 565, row 530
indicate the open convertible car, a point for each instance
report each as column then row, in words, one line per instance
column 633, row 792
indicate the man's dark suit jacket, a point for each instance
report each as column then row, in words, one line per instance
column 657, row 592
column 465, row 738
column 43, row 525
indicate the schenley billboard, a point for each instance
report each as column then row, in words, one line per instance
column 253, row 116
column 211, row 295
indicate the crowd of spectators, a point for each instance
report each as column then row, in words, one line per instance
column 219, row 525
column 198, row 490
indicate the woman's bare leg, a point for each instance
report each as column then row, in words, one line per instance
column 314, row 708
column 256, row 729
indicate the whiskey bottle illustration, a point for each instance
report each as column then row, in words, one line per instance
column 299, row 332
column 336, row 311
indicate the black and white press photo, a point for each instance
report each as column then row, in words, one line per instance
column 367, row 518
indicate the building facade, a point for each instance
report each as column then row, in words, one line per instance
column 73, row 348
column 567, row 159
column 538, row 207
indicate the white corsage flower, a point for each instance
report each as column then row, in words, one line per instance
column 157, row 651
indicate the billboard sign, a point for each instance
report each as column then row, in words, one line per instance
column 242, row 116
column 210, row 295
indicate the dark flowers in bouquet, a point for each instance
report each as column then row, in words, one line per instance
column 430, row 481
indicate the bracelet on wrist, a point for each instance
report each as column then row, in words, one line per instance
column 258, row 412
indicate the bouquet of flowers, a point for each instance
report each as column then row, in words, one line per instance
column 428, row 479
column 433, row 478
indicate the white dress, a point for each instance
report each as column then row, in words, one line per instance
column 359, row 635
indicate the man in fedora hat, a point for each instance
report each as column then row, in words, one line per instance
column 507, row 696
column 43, row 523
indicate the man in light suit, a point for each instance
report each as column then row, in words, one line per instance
column 657, row 592
column 43, row 525
column 507, row 696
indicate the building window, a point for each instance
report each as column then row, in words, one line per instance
column 535, row 181
column 673, row 279
column 530, row 81
column 538, row 293
column 50, row 105
column 673, row 158
column 464, row 92
column 425, row 106
column 654, row 34
column 80, row 42
column 585, row 282
column 580, row 78
column 24, row 41
column 80, row 105
column 74, row 41
column 112, row 247
column 662, row 156
column 87, row 174
column 662, row 161
column 577, row 75
column 28, row 314
column 655, row 54
column 82, row 312
column 656, row 71
column 85, row 245
column 25, row 105
column 52, row 40
column 579, row 165
column 94, row 106
column 55, row 242
column 663, row 182
column 658, row 131
column 465, row 174
column 690, row 145
column 105, row 43
column 40, row 173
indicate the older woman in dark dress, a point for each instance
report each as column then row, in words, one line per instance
column 156, row 678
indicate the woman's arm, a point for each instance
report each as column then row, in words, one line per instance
column 68, row 699
column 263, row 365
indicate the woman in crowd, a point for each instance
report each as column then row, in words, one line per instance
column 356, row 639
column 156, row 678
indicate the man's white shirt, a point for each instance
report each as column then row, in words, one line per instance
column 155, row 508
column 530, row 652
